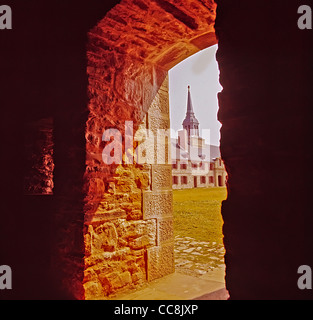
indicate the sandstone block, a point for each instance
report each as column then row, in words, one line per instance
column 134, row 214
column 89, row 275
column 87, row 242
column 157, row 122
column 157, row 204
column 99, row 217
column 165, row 230
column 104, row 238
column 117, row 280
column 138, row 277
column 160, row 261
column 135, row 197
column 143, row 242
column 142, row 180
column 161, row 177
column 160, row 103
column 162, row 148
column 93, row 290
column 93, row 259
column 139, row 234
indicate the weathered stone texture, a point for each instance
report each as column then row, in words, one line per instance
column 160, row 261
column 115, row 255
column 265, row 109
column 161, row 177
column 129, row 54
column 157, row 204
column 165, row 230
column 38, row 154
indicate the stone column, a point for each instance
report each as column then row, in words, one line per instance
column 157, row 202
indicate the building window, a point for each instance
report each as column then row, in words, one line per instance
column 174, row 165
column 183, row 166
column 211, row 166
column 203, row 179
column 211, row 179
column 184, row 180
column 194, row 165
column 175, row 180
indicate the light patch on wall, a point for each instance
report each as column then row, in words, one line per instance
column 38, row 156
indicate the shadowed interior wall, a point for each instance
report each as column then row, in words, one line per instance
column 266, row 112
column 43, row 75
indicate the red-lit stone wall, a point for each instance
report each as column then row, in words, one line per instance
column 38, row 158
column 128, row 211
column 266, row 112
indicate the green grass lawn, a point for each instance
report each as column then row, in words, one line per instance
column 197, row 213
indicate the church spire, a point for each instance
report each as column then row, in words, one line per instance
column 190, row 124
column 189, row 103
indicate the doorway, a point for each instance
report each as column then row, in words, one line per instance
column 129, row 207
column 220, row 181
column 195, row 182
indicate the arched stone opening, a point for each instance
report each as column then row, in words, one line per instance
column 266, row 83
column 128, row 211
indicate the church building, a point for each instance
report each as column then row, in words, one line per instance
column 195, row 164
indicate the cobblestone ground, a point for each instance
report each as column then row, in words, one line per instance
column 196, row 258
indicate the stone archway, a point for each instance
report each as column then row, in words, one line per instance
column 128, row 207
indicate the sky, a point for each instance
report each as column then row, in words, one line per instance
column 201, row 72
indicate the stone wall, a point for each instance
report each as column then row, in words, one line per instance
column 38, row 157
column 265, row 109
column 128, row 210
column 129, row 226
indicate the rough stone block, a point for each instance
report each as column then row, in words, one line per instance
column 93, row 290
column 157, row 121
column 142, row 180
column 118, row 280
column 165, row 231
column 138, row 277
column 142, row 242
column 160, row 261
column 160, row 103
column 157, row 204
column 161, row 177
column 139, row 234
column 177, row 53
column 162, row 147
column 104, row 238
column 204, row 40
column 134, row 214
column 144, row 153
